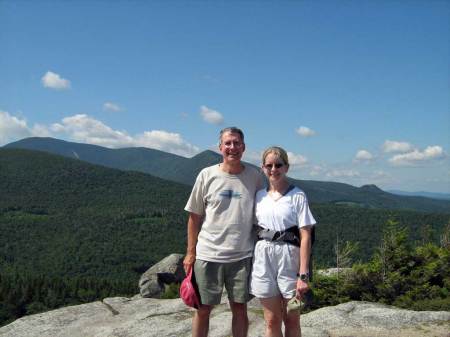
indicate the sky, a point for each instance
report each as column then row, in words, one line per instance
column 356, row 91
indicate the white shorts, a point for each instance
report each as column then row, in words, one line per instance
column 275, row 268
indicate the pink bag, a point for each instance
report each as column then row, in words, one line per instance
column 189, row 291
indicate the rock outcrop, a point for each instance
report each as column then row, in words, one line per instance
column 169, row 270
column 147, row 317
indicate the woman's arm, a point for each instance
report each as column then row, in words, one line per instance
column 305, row 254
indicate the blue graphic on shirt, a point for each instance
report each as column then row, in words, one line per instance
column 230, row 194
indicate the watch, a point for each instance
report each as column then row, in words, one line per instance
column 303, row 276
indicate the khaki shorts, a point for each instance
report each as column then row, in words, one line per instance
column 211, row 277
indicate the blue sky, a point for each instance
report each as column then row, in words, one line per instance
column 356, row 91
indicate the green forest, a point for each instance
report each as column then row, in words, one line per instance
column 73, row 232
column 402, row 273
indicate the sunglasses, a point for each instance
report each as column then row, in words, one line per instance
column 270, row 166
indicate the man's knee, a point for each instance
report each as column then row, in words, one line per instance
column 238, row 308
column 204, row 311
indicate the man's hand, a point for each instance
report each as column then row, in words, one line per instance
column 188, row 262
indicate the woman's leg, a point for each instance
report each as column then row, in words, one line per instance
column 273, row 315
column 291, row 321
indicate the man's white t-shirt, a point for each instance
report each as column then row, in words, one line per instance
column 226, row 201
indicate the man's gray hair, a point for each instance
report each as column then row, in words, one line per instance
column 231, row 129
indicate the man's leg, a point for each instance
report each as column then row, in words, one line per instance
column 236, row 282
column 200, row 322
column 239, row 325
column 209, row 277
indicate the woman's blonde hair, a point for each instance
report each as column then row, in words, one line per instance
column 278, row 151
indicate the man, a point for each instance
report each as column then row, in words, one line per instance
column 220, row 242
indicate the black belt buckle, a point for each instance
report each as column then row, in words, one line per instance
column 276, row 236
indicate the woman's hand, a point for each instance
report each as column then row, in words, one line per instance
column 188, row 262
column 302, row 288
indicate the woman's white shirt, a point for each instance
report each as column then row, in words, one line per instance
column 292, row 209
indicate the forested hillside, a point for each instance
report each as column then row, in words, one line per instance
column 75, row 232
column 184, row 170
column 65, row 217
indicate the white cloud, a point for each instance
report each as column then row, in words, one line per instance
column 54, row 81
column 250, row 156
column 89, row 130
column 394, row 146
column 110, row 106
column 416, row 156
column 380, row 174
column 13, row 128
column 86, row 129
column 166, row 141
column 305, row 131
column 296, row 160
column 378, row 177
column 39, row 130
column 343, row 174
column 316, row 170
column 211, row 116
column 363, row 155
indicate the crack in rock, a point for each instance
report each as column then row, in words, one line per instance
column 111, row 309
column 188, row 315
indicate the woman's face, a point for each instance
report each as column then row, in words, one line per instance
column 274, row 168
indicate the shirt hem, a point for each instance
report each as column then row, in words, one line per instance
column 223, row 260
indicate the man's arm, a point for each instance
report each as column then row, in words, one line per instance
column 194, row 223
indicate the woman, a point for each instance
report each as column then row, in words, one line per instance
column 280, row 266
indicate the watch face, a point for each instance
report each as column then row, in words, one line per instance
column 304, row 277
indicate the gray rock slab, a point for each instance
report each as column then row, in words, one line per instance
column 148, row 317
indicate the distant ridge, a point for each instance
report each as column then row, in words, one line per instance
column 185, row 170
column 158, row 163
column 372, row 188
column 443, row 196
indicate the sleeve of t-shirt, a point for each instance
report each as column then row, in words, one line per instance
column 304, row 215
column 196, row 202
column 260, row 181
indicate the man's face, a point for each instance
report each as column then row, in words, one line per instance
column 232, row 147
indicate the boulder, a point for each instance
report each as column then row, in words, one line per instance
column 149, row 317
column 169, row 270
column 374, row 319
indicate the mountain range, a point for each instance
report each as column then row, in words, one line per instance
column 184, row 170
column 444, row 196
column 63, row 216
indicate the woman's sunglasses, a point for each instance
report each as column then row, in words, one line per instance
column 270, row 166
